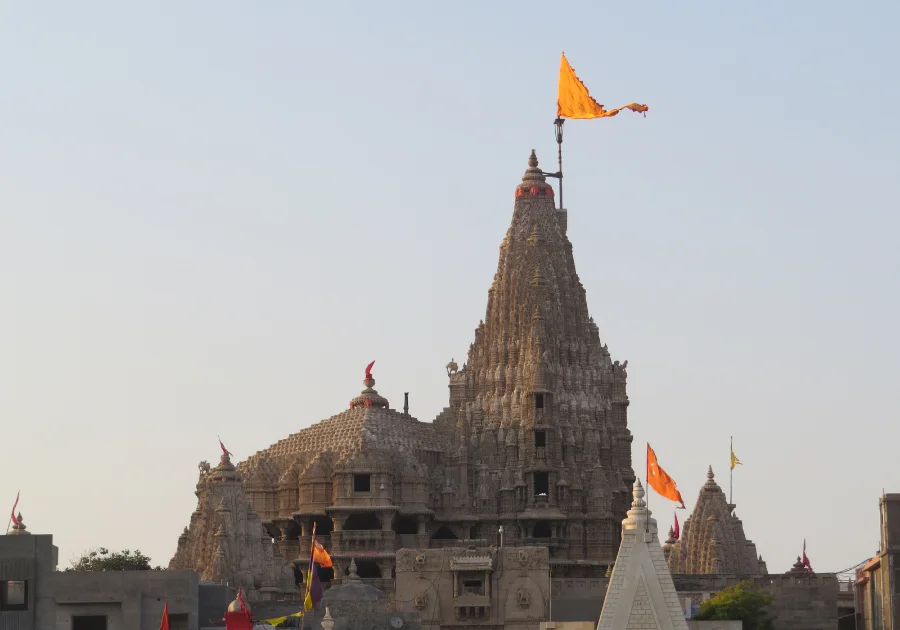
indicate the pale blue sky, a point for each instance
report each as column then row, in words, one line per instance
column 214, row 214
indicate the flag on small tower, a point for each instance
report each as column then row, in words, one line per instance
column 659, row 480
column 225, row 451
column 676, row 533
column 734, row 460
column 805, row 559
column 12, row 514
column 574, row 101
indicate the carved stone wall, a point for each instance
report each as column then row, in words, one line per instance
column 507, row 587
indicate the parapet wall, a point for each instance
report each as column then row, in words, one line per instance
column 802, row 602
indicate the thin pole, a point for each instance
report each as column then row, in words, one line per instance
column 647, row 490
column 559, row 140
column 550, row 594
column 312, row 548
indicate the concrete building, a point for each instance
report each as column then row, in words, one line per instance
column 877, row 581
column 35, row 596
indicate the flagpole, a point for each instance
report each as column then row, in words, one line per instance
column 312, row 548
column 731, row 473
column 647, row 492
column 558, row 125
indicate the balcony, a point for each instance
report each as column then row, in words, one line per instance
column 362, row 541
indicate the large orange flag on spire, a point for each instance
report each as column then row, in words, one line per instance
column 659, row 480
column 574, row 100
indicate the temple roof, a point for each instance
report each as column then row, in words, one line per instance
column 713, row 540
column 369, row 425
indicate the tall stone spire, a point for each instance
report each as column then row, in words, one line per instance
column 539, row 397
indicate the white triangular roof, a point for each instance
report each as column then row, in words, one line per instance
column 641, row 593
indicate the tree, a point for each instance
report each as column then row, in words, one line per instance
column 103, row 560
column 743, row 602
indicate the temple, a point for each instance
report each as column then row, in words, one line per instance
column 713, row 539
column 534, row 444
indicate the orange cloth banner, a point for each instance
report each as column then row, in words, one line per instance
column 574, row 100
column 321, row 556
column 659, row 480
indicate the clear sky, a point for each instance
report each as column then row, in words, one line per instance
column 214, row 214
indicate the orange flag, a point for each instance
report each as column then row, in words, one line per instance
column 164, row 624
column 574, row 100
column 659, row 480
column 320, row 556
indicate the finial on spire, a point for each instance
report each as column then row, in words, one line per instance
column 709, row 474
column 534, row 184
column 638, row 493
column 18, row 527
column 532, row 160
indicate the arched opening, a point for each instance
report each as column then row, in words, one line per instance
column 541, row 530
column 406, row 525
column 298, row 576
column 444, row 533
column 361, row 521
column 324, row 525
column 366, row 569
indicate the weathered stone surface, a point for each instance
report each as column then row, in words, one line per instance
column 713, row 539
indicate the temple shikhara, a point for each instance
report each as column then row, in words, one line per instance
column 534, row 440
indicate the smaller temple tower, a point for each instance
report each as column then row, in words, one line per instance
column 641, row 593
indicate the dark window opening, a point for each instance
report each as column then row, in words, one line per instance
column 405, row 525
column 366, row 569
column 298, row 576
column 540, row 439
column 324, row 525
column 538, row 401
column 473, row 587
column 474, row 532
column 362, row 483
column 178, row 621
column 541, row 530
column 13, row 595
column 326, row 574
column 362, row 521
column 92, row 622
column 541, row 484
column 444, row 533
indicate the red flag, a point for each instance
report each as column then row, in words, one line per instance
column 369, row 370
column 12, row 514
column 241, row 600
column 677, row 533
column 805, row 559
column 224, row 450
column 164, row 624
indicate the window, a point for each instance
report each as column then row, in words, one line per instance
column 362, row 483
column 472, row 587
column 540, row 439
column 541, row 484
column 92, row 622
column 538, row 401
column 13, row 595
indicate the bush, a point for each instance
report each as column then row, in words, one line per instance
column 742, row 602
column 103, row 560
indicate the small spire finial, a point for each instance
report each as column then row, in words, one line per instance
column 709, row 474
column 532, row 160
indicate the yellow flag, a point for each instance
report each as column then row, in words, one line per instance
column 734, row 460
column 574, row 100
column 307, row 603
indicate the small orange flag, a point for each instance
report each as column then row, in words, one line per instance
column 659, row 480
column 574, row 100
column 164, row 624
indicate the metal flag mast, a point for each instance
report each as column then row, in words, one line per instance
column 558, row 128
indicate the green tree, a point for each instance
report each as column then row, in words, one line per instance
column 743, row 602
column 103, row 559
